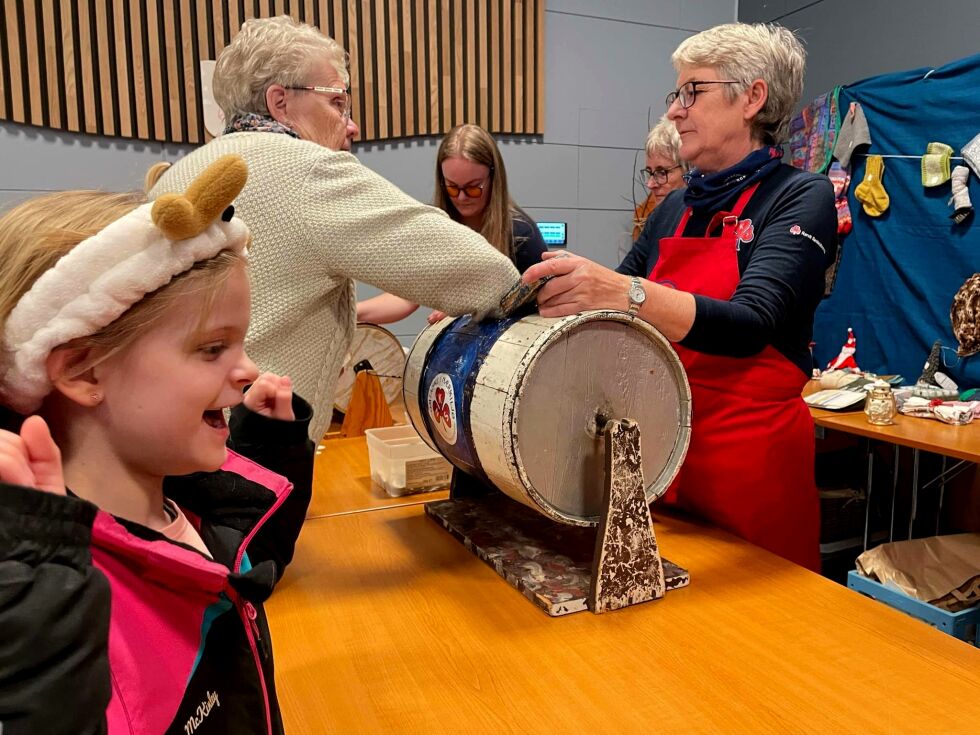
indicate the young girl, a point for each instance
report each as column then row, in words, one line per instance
column 471, row 186
column 122, row 326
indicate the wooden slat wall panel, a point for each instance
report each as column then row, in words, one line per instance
column 131, row 68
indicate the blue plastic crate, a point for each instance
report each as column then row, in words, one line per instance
column 964, row 625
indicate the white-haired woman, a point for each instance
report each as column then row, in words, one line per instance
column 665, row 169
column 732, row 271
column 319, row 219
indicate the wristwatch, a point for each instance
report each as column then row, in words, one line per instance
column 636, row 295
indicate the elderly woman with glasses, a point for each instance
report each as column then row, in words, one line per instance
column 319, row 219
column 665, row 170
column 731, row 270
column 471, row 187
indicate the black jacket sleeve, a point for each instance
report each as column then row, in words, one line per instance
column 285, row 448
column 634, row 264
column 54, row 614
column 784, row 274
column 528, row 243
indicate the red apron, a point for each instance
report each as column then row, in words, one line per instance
column 749, row 468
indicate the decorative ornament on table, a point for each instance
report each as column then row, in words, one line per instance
column 871, row 192
column 846, row 357
column 935, row 164
column 960, row 201
column 934, row 383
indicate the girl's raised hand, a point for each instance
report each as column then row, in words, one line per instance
column 31, row 458
column 271, row 395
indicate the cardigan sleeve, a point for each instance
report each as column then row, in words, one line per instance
column 379, row 235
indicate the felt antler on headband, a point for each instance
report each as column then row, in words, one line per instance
column 103, row 276
column 209, row 195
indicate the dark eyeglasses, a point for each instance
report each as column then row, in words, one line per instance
column 687, row 93
column 342, row 104
column 472, row 192
column 659, row 175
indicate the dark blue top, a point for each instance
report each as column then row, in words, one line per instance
column 781, row 268
column 528, row 243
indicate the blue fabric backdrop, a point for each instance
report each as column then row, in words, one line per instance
column 899, row 272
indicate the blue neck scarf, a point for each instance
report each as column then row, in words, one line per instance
column 711, row 191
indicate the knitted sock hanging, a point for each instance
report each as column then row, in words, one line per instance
column 962, row 206
column 871, row 192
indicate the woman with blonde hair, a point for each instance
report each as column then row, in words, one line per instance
column 731, row 270
column 471, row 186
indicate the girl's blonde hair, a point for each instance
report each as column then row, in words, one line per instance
column 477, row 145
column 39, row 232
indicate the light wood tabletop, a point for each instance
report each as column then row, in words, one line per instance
column 960, row 442
column 385, row 623
column 342, row 482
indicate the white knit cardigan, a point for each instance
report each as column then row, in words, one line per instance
column 319, row 220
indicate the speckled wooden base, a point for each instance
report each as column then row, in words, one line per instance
column 550, row 563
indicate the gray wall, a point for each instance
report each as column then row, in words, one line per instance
column 607, row 69
column 850, row 40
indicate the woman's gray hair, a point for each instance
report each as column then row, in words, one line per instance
column 269, row 51
column 746, row 52
column 664, row 140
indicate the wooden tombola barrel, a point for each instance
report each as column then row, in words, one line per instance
column 519, row 403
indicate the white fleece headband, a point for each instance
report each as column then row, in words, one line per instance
column 103, row 276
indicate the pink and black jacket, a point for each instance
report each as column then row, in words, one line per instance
column 186, row 648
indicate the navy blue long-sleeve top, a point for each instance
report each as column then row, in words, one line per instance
column 782, row 268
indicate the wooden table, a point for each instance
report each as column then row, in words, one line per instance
column 920, row 435
column 342, row 482
column 385, row 623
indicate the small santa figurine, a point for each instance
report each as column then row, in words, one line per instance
column 845, row 360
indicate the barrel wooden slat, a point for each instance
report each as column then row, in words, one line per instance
column 13, row 41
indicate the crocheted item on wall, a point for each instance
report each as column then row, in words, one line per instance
column 964, row 314
column 813, row 133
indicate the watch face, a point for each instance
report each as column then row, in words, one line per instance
column 637, row 294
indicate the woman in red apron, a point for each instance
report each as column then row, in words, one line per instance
column 731, row 270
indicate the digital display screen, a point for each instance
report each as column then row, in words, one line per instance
column 553, row 233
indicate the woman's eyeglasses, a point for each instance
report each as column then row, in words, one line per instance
column 341, row 104
column 687, row 93
column 659, row 175
column 473, row 192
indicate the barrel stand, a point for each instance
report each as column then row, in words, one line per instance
column 565, row 568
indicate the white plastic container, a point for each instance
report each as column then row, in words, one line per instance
column 402, row 464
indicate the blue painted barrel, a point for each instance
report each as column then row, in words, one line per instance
column 516, row 403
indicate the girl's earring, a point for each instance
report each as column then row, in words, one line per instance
column 96, row 397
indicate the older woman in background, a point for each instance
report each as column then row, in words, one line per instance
column 731, row 270
column 664, row 170
column 320, row 219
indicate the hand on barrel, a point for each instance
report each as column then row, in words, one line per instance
column 578, row 284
